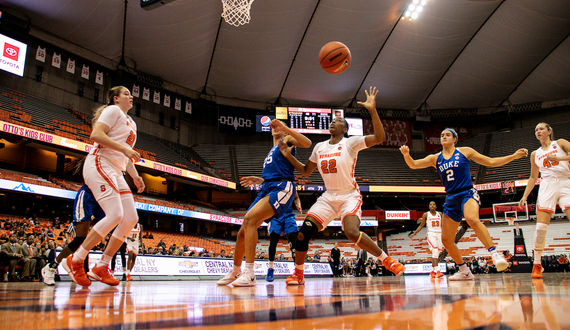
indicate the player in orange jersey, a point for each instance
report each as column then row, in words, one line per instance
column 433, row 221
column 551, row 160
column 335, row 160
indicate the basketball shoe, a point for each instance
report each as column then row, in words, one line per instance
column 296, row 279
column 229, row 278
column 129, row 278
column 460, row 276
column 48, row 274
column 102, row 274
column 499, row 261
column 76, row 271
column 437, row 274
column 247, row 278
column 394, row 266
column 269, row 277
column 536, row 271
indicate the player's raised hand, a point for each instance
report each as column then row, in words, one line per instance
column 405, row 150
column 277, row 125
column 370, row 103
column 248, row 181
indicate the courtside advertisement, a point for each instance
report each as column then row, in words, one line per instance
column 184, row 266
column 13, row 56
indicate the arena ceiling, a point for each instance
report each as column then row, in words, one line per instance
column 456, row 54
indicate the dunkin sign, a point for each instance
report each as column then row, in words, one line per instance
column 397, row 215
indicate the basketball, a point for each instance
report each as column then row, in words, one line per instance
column 334, row 57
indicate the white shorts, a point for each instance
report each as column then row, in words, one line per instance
column 435, row 244
column 330, row 205
column 552, row 191
column 105, row 180
column 133, row 246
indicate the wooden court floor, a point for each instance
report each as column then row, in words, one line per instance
column 499, row 301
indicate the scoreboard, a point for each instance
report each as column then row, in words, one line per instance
column 310, row 120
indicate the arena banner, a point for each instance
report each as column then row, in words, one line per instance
column 85, row 147
column 186, row 266
column 235, row 120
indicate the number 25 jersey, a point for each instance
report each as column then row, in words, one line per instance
column 336, row 162
column 552, row 168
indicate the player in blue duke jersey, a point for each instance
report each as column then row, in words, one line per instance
column 86, row 211
column 462, row 199
column 274, row 200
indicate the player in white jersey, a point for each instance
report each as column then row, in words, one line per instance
column 551, row 160
column 433, row 221
column 134, row 242
column 336, row 160
column 114, row 134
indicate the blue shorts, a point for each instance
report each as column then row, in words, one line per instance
column 285, row 224
column 85, row 207
column 281, row 195
column 453, row 206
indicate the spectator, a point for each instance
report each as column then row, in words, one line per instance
column 335, row 260
column 554, row 264
column 563, row 262
column 150, row 251
column 150, row 236
column 16, row 257
column 223, row 254
column 317, row 256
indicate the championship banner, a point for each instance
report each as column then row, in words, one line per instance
column 188, row 266
column 82, row 146
column 233, row 120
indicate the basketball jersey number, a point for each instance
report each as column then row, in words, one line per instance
column 131, row 138
column 134, row 235
column 328, row 166
column 549, row 163
column 435, row 223
column 449, row 175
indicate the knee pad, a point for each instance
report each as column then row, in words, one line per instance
column 540, row 236
column 76, row 243
column 308, row 230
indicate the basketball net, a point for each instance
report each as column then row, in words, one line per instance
column 236, row 12
column 511, row 221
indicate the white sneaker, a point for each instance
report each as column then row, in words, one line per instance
column 246, row 278
column 499, row 261
column 459, row 276
column 229, row 278
column 48, row 274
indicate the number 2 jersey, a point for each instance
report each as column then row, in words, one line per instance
column 454, row 172
column 336, row 162
column 552, row 168
column 122, row 130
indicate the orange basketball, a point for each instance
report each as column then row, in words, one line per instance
column 334, row 57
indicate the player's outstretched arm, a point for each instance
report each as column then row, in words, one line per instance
column 379, row 135
column 294, row 138
column 472, row 154
column 422, row 224
column 419, row 163
column 531, row 181
column 304, row 169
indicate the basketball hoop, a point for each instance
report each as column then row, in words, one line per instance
column 236, row 12
column 511, row 221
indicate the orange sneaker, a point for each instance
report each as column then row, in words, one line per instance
column 432, row 274
column 296, row 279
column 76, row 271
column 536, row 271
column 129, row 278
column 102, row 274
column 438, row 274
column 394, row 266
